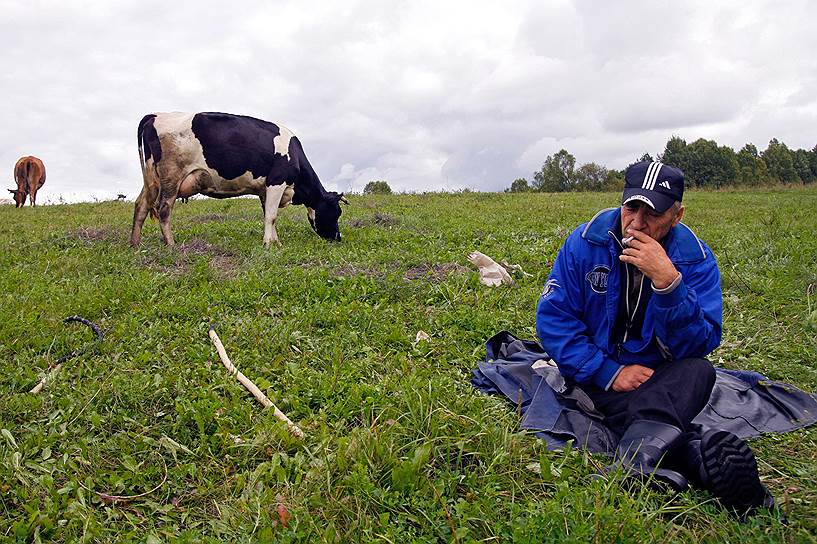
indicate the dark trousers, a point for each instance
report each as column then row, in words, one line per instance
column 675, row 393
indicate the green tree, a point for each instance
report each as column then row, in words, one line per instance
column 727, row 166
column 676, row 153
column 590, row 177
column 645, row 157
column 377, row 188
column 751, row 167
column 710, row 165
column 614, row 181
column 519, row 185
column 780, row 161
column 763, row 175
column 812, row 159
column 802, row 166
column 557, row 173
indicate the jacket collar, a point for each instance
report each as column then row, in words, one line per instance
column 681, row 244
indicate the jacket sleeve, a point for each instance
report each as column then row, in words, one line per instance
column 689, row 319
column 560, row 322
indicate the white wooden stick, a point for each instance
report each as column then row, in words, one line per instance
column 251, row 387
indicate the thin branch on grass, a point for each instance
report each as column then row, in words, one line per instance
column 251, row 387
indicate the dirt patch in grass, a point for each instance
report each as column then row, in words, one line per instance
column 177, row 262
column 350, row 270
column 176, row 267
column 385, row 220
column 378, row 219
column 434, row 272
column 224, row 266
column 197, row 246
column 92, row 234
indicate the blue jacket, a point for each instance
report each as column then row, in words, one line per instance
column 578, row 307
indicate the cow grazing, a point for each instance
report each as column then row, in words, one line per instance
column 29, row 174
column 222, row 156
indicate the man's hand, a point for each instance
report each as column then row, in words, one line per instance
column 631, row 377
column 649, row 256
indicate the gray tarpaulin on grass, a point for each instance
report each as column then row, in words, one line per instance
column 742, row 402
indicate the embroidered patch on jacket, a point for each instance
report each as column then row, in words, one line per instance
column 550, row 286
column 597, row 278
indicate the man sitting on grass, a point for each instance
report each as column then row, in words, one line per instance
column 631, row 308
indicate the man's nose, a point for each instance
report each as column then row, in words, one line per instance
column 638, row 219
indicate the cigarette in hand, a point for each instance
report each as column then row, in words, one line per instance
column 626, row 241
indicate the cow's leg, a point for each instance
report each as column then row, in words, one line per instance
column 167, row 198
column 271, row 202
column 32, row 192
column 190, row 185
column 140, row 212
column 165, row 209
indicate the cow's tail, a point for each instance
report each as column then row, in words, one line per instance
column 20, row 171
column 149, row 148
column 140, row 132
column 33, row 175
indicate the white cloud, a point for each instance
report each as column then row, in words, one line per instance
column 426, row 95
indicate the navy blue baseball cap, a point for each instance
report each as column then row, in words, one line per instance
column 658, row 185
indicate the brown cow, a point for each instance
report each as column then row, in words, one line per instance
column 29, row 173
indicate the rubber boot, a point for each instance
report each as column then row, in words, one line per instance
column 724, row 465
column 641, row 448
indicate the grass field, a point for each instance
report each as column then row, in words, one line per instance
column 399, row 446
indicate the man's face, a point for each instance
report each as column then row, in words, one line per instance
column 637, row 215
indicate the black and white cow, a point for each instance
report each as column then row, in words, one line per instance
column 222, row 156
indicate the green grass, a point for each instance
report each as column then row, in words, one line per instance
column 399, row 446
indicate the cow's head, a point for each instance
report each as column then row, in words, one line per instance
column 19, row 197
column 324, row 216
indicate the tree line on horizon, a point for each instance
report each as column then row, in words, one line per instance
column 705, row 164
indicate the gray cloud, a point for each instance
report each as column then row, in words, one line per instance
column 426, row 95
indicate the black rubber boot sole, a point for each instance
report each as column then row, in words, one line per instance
column 731, row 471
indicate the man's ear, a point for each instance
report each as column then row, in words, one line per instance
column 678, row 215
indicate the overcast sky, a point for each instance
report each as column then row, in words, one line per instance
column 425, row 95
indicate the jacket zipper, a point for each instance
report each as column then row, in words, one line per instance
column 630, row 318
